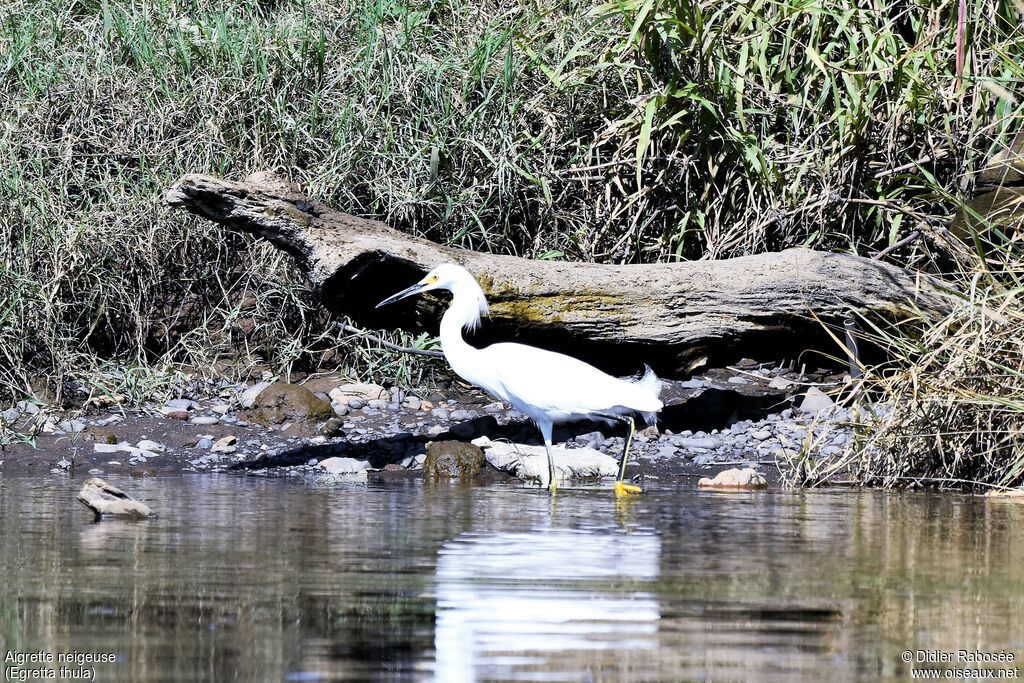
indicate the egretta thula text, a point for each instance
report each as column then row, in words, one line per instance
column 547, row 386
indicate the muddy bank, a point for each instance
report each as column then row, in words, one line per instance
column 748, row 415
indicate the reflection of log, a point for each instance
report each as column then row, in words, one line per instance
column 669, row 314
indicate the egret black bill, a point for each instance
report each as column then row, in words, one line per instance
column 408, row 291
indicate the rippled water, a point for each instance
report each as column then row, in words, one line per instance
column 270, row 579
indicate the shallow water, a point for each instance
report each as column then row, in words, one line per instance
column 242, row 578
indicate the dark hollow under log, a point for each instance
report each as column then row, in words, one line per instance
column 674, row 316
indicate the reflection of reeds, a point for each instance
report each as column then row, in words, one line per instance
column 243, row 579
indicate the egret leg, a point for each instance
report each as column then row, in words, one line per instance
column 545, row 431
column 621, row 487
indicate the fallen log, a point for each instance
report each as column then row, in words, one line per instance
column 676, row 316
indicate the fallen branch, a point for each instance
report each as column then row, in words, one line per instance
column 673, row 315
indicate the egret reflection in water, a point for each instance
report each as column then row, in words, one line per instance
column 508, row 600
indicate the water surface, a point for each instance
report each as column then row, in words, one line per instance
column 243, row 578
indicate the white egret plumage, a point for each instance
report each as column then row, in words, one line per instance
column 547, row 386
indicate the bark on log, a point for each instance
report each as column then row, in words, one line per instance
column 671, row 315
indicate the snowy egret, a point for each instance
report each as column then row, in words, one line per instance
column 549, row 387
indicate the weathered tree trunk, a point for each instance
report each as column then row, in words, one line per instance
column 671, row 315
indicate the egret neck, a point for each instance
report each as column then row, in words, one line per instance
column 462, row 312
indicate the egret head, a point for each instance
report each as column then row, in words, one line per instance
column 457, row 280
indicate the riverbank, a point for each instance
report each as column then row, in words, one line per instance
column 748, row 415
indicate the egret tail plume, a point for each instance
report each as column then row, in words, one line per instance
column 644, row 397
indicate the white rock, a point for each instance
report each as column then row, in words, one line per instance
column 221, row 409
column 815, row 401
column 745, row 479
column 106, row 447
column 531, row 462
column 205, row 420
column 104, row 499
column 180, row 404
column 338, row 465
column 779, row 383
column 762, row 435
column 224, row 445
column 248, row 397
column 364, row 392
column 153, row 446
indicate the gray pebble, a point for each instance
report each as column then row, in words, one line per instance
column 355, row 404
column 694, row 442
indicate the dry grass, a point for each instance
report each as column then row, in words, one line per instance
column 639, row 130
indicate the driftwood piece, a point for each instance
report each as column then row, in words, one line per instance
column 672, row 315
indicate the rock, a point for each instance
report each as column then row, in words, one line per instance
column 452, row 459
column 460, row 415
column 340, row 409
column 10, row 416
column 27, row 407
column 109, row 501
column 762, row 435
column 738, row 380
column 377, row 404
column 358, row 392
column 106, row 447
column 205, row 420
column 747, row 479
column 64, row 464
column 337, row 465
column 222, row 409
column 349, row 468
column 356, row 404
column 434, row 430
column 151, row 446
column 779, row 383
column 439, row 414
column 280, row 403
column 180, row 404
column 71, row 426
column 695, row 442
column 177, row 415
column 224, row 445
column 590, row 439
column 531, row 462
column 665, row 452
column 412, row 403
column 332, row 427
column 204, row 442
column 248, row 397
column 815, row 401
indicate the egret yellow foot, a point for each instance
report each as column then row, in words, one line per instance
column 624, row 489
column 552, row 487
